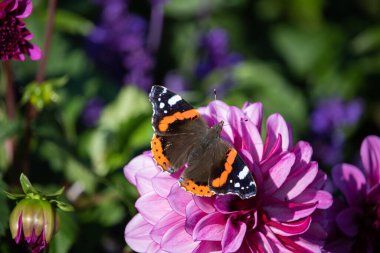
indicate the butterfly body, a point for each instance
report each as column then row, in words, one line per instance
column 183, row 137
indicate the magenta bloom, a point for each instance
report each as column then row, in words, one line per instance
column 279, row 219
column 359, row 220
column 14, row 36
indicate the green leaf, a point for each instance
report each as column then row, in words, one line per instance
column 366, row 41
column 66, row 235
column 14, row 196
column 130, row 102
column 42, row 94
column 26, row 185
column 57, row 193
column 62, row 205
column 72, row 23
column 4, row 210
column 261, row 82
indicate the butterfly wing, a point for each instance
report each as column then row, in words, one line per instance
column 178, row 127
column 218, row 170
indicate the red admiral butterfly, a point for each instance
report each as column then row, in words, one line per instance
column 183, row 137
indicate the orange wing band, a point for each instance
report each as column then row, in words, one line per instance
column 166, row 121
column 158, row 154
column 200, row 190
column 220, row 181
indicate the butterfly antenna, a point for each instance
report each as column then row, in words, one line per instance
column 214, row 94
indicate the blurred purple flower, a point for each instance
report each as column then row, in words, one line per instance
column 359, row 219
column 14, row 37
column 119, row 44
column 278, row 219
column 215, row 46
column 175, row 82
column 328, row 122
column 92, row 111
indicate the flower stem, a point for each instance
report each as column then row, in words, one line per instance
column 10, row 143
column 31, row 112
column 155, row 26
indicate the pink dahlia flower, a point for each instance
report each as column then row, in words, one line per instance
column 280, row 218
column 358, row 217
column 14, row 36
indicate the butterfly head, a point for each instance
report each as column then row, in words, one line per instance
column 216, row 129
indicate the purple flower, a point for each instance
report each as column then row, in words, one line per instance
column 279, row 219
column 92, row 112
column 14, row 37
column 359, row 219
column 328, row 122
column 119, row 44
column 216, row 52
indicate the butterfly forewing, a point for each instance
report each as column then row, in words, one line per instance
column 178, row 127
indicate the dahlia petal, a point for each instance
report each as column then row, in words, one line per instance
column 24, row 9
column 162, row 183
column 373, row 195
column 254, row 112
column 350, row 180
column 319, row 181
column 35, row 52
column 370, row 154
column 323, row 198
column 303, row 152
column 176, row 239
column 178, row 199
column 347, row 220
column 164, row 224
column 144, row 184
column 140, row 163
column 205, row 204
column 193, row 215
column 137, row 233
column 278, row 173
column 152, row 207
column 210, row 227
column 276, row 245
column 276, row 126
column 209, row 246
column 293, row 246
column 253, row 141
column 297, row 182
column 290, row 228
column 285, row 212
column 259, row 242
column 311, row 246
column 154, row 247
column 233, row 235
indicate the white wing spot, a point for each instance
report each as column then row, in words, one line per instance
column 159, row 99
column 237, row 185
column 162, row 105
column 174, row 99
column 165, row 111
column 231, row 181
column 251, row 183
column 243, row 173
column 242, row 188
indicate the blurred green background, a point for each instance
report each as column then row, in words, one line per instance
column 304, row 59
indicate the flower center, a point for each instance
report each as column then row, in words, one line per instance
column 10, row 34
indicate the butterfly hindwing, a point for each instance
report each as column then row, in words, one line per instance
column 232, row 176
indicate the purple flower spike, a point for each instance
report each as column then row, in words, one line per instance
column 14, row 37
column 359, row 220
column 282, row 217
